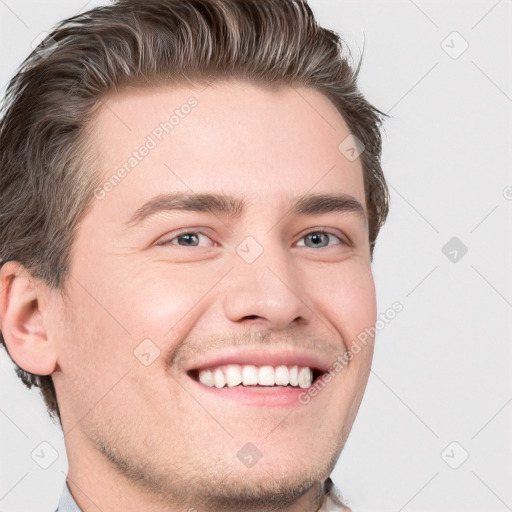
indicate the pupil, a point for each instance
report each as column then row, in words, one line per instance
column 316, row 237
column 187, row 237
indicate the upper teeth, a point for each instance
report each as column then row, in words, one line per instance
column 250, row 375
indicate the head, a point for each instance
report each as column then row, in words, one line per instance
column 178, row 188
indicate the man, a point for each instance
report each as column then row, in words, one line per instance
column 191, row 192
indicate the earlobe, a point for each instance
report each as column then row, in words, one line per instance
column 22, row 321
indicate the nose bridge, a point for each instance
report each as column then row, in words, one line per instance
column 264, row 286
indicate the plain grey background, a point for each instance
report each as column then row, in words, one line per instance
column 434, row 429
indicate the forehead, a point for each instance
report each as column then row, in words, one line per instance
column 230, row 136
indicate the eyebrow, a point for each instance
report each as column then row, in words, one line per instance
column 233, row 207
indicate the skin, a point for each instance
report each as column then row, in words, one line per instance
column 142, row 437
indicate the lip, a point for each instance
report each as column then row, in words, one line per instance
column 261, row 396
column 260, row 357
column 271, row 396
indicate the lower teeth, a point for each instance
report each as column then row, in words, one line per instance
column 260, row 386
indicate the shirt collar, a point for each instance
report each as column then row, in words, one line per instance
column 332, row 501
column 67, row 502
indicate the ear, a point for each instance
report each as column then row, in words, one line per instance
column 22, row 302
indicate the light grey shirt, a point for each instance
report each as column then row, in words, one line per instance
column 332, row 500
column 67, row 502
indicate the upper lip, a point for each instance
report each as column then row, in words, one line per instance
column 260, row 357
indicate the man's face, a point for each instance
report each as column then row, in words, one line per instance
column 153, row 302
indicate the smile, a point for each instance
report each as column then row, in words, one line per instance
column 236, row 375
column 274, row 376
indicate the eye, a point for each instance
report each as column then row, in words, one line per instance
column 320, row 239
column 189, row 239
column 314, row 240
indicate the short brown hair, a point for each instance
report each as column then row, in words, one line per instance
column 47, row 179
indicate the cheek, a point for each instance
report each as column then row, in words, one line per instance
column 348, row 298
column 160, row 299
column 90, row 358
column 147, row 298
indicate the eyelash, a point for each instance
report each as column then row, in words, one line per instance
column 317, row 231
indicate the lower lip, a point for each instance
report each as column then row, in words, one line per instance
column 271, row 396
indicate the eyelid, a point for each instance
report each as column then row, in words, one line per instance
column 343, row 239
column 190, row 230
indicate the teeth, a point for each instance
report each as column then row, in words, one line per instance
column 282, row 376
column 206, row 378
column 233, row 375
column 249, row 375
column 218, row 378
column 266, row 376
column 304, row 377
column 294, row 372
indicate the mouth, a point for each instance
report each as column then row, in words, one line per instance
column 277, row 376
column 251, row 376
column 256, row 386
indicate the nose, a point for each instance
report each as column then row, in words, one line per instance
column 268, row 291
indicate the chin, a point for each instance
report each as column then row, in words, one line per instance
column 257, row 488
